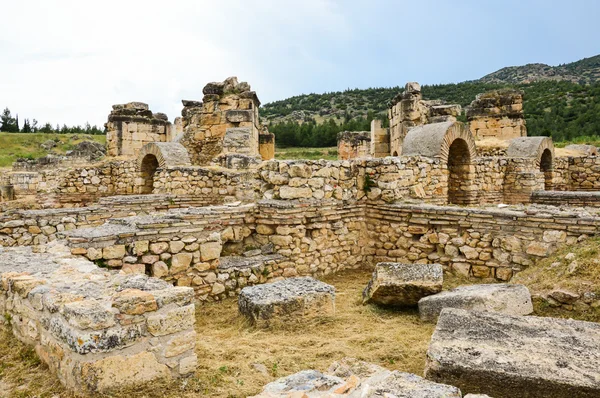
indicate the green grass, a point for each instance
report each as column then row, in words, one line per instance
column 329, row 153
column 27, row 145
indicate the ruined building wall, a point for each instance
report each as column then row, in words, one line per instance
column 353, row 144
column 226, row 121
column 497, row 114
column 482, row 243
column 408, row 110
column 380, row 140
column 130, row 126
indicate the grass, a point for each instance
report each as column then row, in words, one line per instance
column 24, row 145
column 329, row 153
column 228, row 347
column 553, row 273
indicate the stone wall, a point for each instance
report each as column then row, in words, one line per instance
column 96, row 330
column 497, row 114
column 567, row 198
column 483, row 243
column 353, row 144
column 584, row 173
column 226, row 121
column 130, row 126
column 37, row 227
column 210, row 185
column 408, row 110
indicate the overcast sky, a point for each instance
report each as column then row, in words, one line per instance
column 69, row 61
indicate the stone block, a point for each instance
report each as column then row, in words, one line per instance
column 120, row 370
column 288, row 300
column 173, row 321
column 505, row 298
column 515, row 356
column 180, row 262
column 210, row 251
column 134, row 302
column 403, row 284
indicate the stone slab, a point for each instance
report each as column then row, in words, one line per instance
column 288, row 300
column 511, row 299
column 403, row 284
column 515, row 356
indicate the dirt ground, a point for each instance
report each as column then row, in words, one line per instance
column 236, row 360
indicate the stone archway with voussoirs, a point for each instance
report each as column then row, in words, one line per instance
column 453, row 144
column 157, row 155
column 539, row 148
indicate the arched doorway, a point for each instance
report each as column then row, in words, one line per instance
column 148, row 168
column 459, row 173
column 546, row 168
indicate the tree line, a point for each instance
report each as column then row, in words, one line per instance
column 10, row 124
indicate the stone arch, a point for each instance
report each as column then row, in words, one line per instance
column 539, row 148
column 167, row 154
column 155, row 155
column 434, row 140
column 453, row 144
column 148, row 168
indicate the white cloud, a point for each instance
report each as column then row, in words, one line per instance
column 69, row 61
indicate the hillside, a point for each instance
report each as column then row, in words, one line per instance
column 585, row 71
column 29, row 145
column 559, row 107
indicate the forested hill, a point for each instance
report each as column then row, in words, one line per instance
column 585, row 71
column 563, row 108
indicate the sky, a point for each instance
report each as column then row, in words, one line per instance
column 68, row 62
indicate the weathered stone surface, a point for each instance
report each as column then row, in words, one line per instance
column 403, row 284
column 356, row 379
column 515, row 356
column 119, row 370
column 406, row 385
column 288, row 300
column 505, row 298
column 134, row 302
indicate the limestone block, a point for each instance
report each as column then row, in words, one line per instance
column 403, row 284
column 288, row 300
column 515, row 356
column 287, row 192
column 180, row 262
column 88, row 314
column 173, row 321
column 505, row 298
column 210, row 251
column 238, row 116
column 114, row 252
column 120, row 370
column 134, row 302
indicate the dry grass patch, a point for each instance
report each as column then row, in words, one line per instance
column 236, row 359
column 579, row 272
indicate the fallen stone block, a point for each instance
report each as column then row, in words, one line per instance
column 403, row 284
column 288, row 300
column 515, row 356
column 505, row 298
column 356, row 379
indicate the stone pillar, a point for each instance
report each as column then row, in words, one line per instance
column 380, row 140
column 226, row 121
column 267, row 145
column 131, row 126
column 497, row 114
column 406, row 111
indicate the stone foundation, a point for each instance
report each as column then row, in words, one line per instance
column 94, row 329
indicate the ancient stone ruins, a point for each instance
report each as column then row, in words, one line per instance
column 104, row 261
